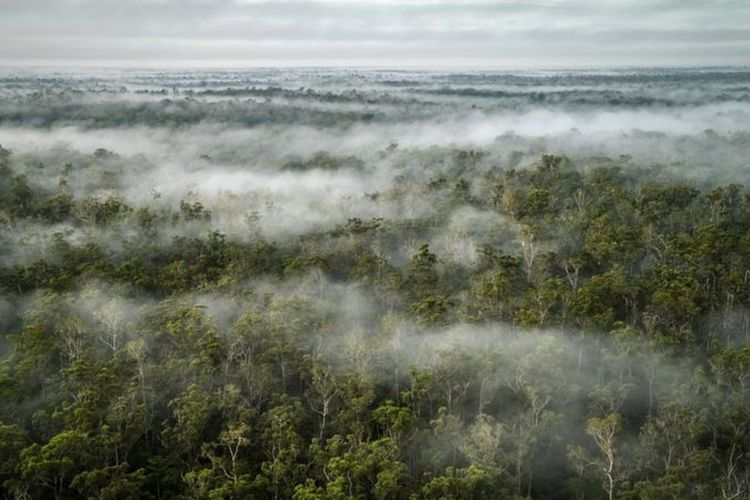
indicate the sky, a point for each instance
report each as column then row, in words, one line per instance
column 375, row 33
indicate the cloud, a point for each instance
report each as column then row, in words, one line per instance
column 375, row 32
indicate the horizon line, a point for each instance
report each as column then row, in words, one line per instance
column 237, row 66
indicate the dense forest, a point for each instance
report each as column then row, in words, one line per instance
column 386, row 285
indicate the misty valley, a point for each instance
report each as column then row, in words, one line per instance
column 370, row 284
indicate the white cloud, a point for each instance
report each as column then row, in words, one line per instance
column 366, row 32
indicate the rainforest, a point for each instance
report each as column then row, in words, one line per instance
column 375, row 284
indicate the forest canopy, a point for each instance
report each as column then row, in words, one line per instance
column 334, row 284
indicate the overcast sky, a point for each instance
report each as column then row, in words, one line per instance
column 416, row 33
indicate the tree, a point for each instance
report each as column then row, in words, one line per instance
column 12, row 442
column 283, row 449
column 368, row 470
column 422, row 276
column 192, row 412
column 325, row 388
column 603, row 431
column 54, row 464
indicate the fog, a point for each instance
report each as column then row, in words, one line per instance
column 535, row 279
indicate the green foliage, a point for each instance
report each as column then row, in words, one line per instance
column 158, row 351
